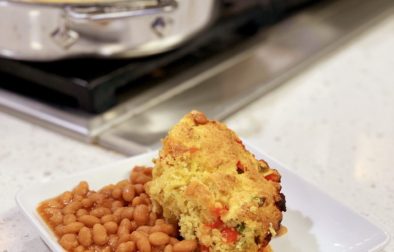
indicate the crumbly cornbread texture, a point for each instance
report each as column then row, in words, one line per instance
column 206, row 181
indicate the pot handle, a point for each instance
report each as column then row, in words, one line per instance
column 117, row 11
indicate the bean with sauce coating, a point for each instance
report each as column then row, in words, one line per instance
column 69, row 241
column 85, row 237
column 126, row 247
column 141, row 214
column 185, row 246
column 159, row 238
column 100, row 236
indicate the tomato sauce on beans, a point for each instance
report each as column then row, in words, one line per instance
column 116, row 218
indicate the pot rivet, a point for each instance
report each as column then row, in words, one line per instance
column 64, row 37
column 160, row 25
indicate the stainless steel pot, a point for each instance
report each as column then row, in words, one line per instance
column 42, row 30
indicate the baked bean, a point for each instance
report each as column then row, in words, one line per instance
column 107, row 190
column 165, row 228
column 143, row 244
column 152, row 218
column 140, row 178
column 117, row 219
column 128, row 193
column 82, row 188
column 123, row 238
column 100, row 236
column 106, row 249
column 128, row 213
column 124, row 227
column 133, row 226
column 199, row 118
column 118, row 212
column 168, row 248
column 57, row 217
column 51, row 211
column 137, row 235
column 185, row 246
column 97, row 197
column 139, row 188
column 144, row 179
column 69, row 241
column 144, row 195
column 107, row 218
column 137, row 168
column 145, row 229
column 72, row 207
column 85, row 237
column 159, row 221
column 77, row 197
column 148, row 202
column 89, row 220
column 54, row 203
column 169, row 229
column 79, row 249
column 141, row 215
column 148, row 172
column 73, row 227
column 173, row 241
column 159, row 238
column 147, row 186
column 155, row 228
column 123, row 183
column 157, row 249
column 126, row 247
column 69, row 218
column 145, row 198
column 116, row 204
column 111, row 227
column 97, row 248
column 117, row 192
column 59, row 230
column 137, row 201
column 113, row 241
column 66, row 197
column 87, row 203
column 107, row 203
column 81, row 212
column 100, row 212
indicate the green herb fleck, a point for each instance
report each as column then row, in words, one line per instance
column 240, row 227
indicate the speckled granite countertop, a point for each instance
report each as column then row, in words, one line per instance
column 333, row 125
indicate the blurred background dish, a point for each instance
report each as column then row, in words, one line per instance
column 44, row 30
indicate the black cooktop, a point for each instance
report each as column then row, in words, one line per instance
column 95, row 85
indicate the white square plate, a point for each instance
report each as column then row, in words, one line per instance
column 316, row 222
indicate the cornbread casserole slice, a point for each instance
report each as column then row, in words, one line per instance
column 218, row 193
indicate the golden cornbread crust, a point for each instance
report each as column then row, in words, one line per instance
column 216, row 190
